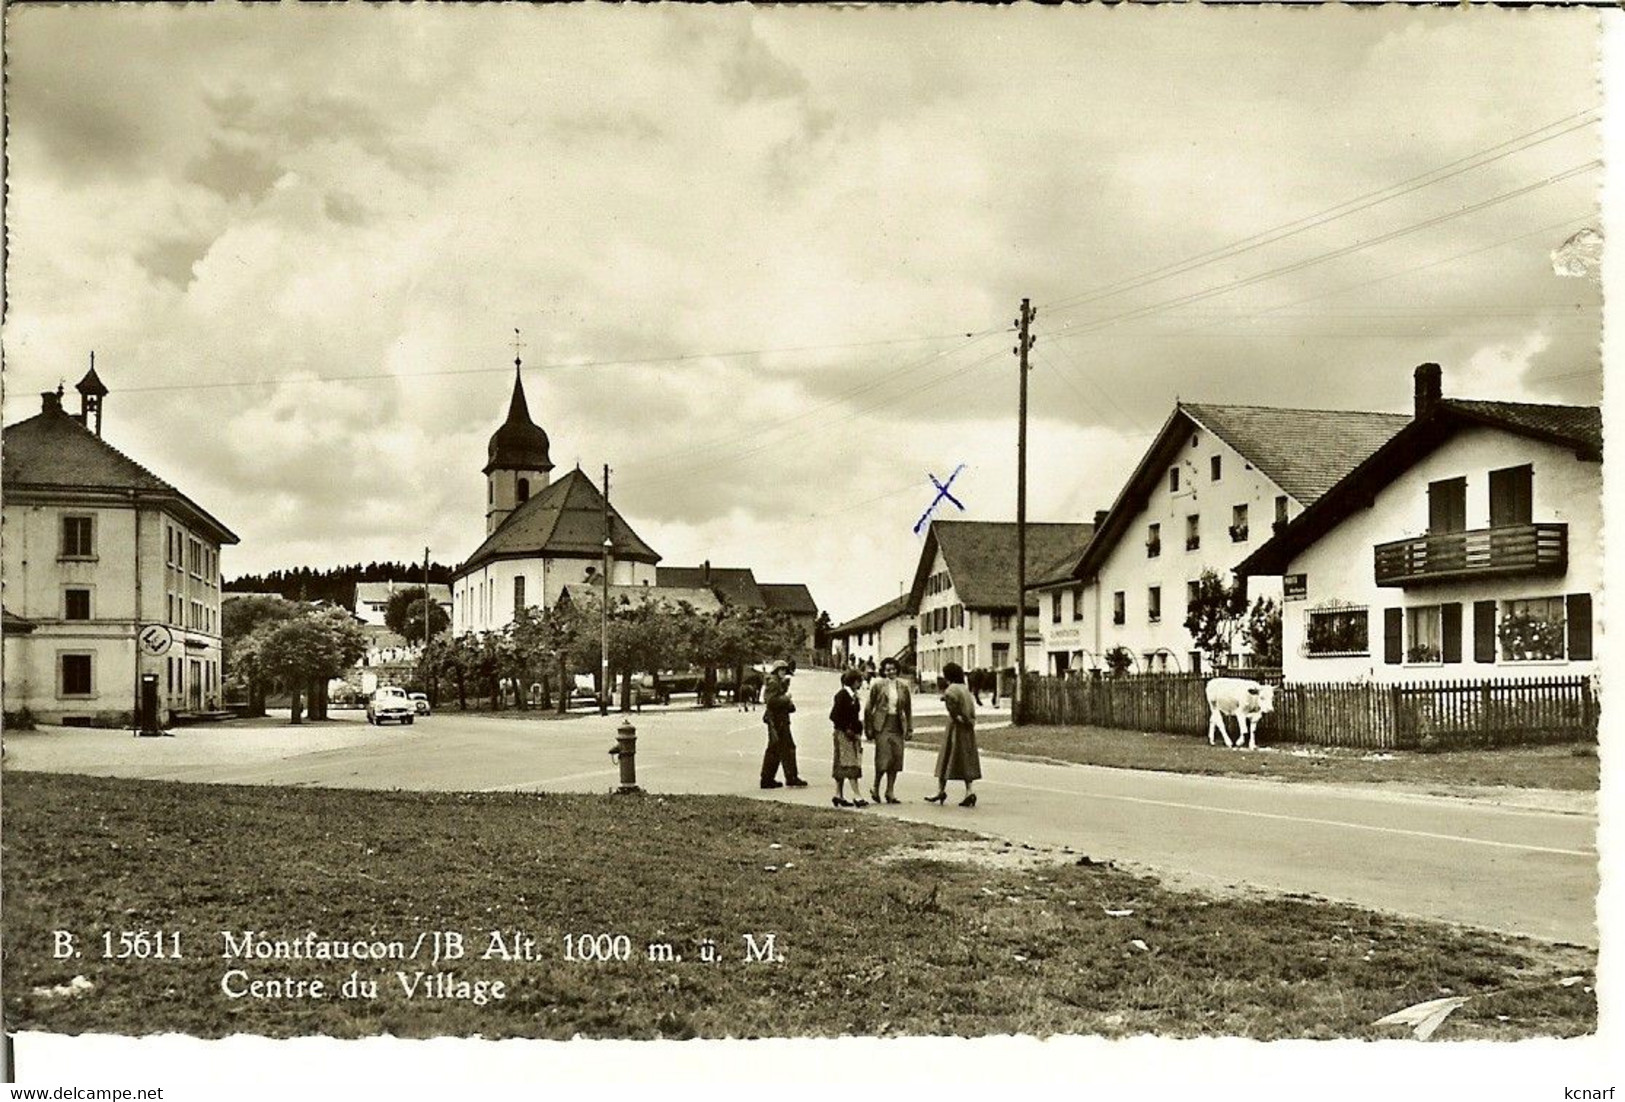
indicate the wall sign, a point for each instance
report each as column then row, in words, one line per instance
column 155, row 640
column 1295, row 587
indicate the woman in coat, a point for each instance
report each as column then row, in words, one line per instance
column 958, row 759
column 846, row 716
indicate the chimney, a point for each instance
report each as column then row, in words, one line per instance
column 50, row 401
column 1429, row 388
column 1100, row 517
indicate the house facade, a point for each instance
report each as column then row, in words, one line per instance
column 964, row 595
column 886, row 631
column 1468, row 547
column 372, row 599
column 116, row 571
column 1213, row 486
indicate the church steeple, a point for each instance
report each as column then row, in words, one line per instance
column 91, row 392
column 517, row 460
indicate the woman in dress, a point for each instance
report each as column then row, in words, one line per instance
column 958, row 759
column 846, row 716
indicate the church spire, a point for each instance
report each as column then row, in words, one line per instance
column 517, row 461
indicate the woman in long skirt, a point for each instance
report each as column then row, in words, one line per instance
column 958, row 759
column 845, row 715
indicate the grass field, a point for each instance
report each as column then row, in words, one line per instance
column 1569, row 767
column 920, row 945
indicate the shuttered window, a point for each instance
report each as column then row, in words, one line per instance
column 1512, row 496
column 1450, row 620
column 1484, row 631
column 1447, row 506
column 1393, row 635
column 1579, row 617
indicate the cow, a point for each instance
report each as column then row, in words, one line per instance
column 1247, row 700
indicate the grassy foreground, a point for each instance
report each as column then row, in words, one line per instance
column 1567, row 767
column 911, row 946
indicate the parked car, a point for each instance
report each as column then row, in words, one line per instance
column 420, row 701
column 389, row 703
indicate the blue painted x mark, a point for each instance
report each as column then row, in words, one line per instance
column 942, row 492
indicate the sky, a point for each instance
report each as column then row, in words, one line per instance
column 764, row 262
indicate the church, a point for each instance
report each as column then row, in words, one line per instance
column 541, row 535
column 546, row 538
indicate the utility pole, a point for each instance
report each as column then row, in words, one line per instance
column 603, row 609
column 1024, row 326
column 426, row 604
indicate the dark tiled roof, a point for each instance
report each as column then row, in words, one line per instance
column 699, row 599
column 898, row 606
column 733, row 585
column 1303, row 451
column 1580, row 426
column 53, row 451
column 519, row 443
column 565, row 519
column 981, row 557
column 789, row 597
column 1060, row 570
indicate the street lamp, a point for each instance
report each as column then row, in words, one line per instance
column 603, row 635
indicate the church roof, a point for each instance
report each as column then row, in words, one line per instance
column 563, row 520
column 519, row 444
column 53, row 455
column 92, row 383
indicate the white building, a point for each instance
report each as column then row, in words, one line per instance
column 964, row 593
column 540, row 535
column 1213, row 485
column 372, row 599
column 887, row 631
column 116, row 572
column 1468, row 546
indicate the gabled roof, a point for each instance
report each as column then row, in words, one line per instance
column 1059, row 571
column 700, row 600
column 734, row 585
column 563, row 520
column 897, row 606
column 1303, row 451
column 52, row 452
column 1577, row 427
column 789, row 597
column 981, row 557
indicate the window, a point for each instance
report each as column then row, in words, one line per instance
column 1173, row 480
column 78, row 537
column 1153, row 603
column 1119, row 607
column 1338, row 631
column 76, row 604
column 1055, row 607
column 75, row 675
column 1077, row 603
column 1193, row 532
column 1447, row 506
column 518, row 591
column 1280, row 512
column 1512, row 496
column 1533, row 630
column 1001, row 621
column 1153, row 541
column 1193, row 590
column 1216, row 467
column 1238, row 524
column 1424, row 634
column 1001, row 655
column 523, row 493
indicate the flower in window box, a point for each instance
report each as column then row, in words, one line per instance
column 1424, row 652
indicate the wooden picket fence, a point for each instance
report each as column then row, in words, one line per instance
column 1370, row 715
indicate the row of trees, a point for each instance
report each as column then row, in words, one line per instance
column 276, row 645
column 336, row 584
column 551, row 647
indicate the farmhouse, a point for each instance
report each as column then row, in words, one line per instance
column 1215, row 483
column 1467, row 546
column 887, row 631
column 111, row 573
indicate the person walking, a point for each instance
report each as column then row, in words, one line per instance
column 846, row 715
column 781, row 747
column 889, row 721
column 958, row 759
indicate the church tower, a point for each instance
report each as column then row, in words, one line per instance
column 517, row 464
column 91, row 393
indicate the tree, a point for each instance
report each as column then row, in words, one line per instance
column 1119, row 660
column 241, row 621
column 1214, row 616
column 823, row 628
column 1263, row 633
column 404, row 614
column 302, row 652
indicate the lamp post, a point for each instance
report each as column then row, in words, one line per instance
column 603, row 635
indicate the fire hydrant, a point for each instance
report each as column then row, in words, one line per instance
column 625, row 750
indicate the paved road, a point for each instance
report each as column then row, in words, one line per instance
column 1513, row 869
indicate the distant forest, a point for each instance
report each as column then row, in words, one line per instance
column 338, row 584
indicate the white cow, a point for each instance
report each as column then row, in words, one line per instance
column 1244, row 699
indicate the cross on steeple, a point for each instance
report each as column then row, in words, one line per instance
column 518, row 345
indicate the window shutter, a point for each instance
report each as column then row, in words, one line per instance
column 1450, row 628
column 1484, row 631
column 1579, row 619
column 1393, row 635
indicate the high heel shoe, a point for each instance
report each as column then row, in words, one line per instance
column 838, row 802
column 968, row 801
column 940, row 797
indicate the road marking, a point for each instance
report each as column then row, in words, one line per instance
column 1301, row 819
column 551, row 780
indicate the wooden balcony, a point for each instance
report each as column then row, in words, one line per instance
column 1480, row 553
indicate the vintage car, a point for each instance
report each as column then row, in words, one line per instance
column 389, row 703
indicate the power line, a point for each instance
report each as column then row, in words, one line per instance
column 1330, row 214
